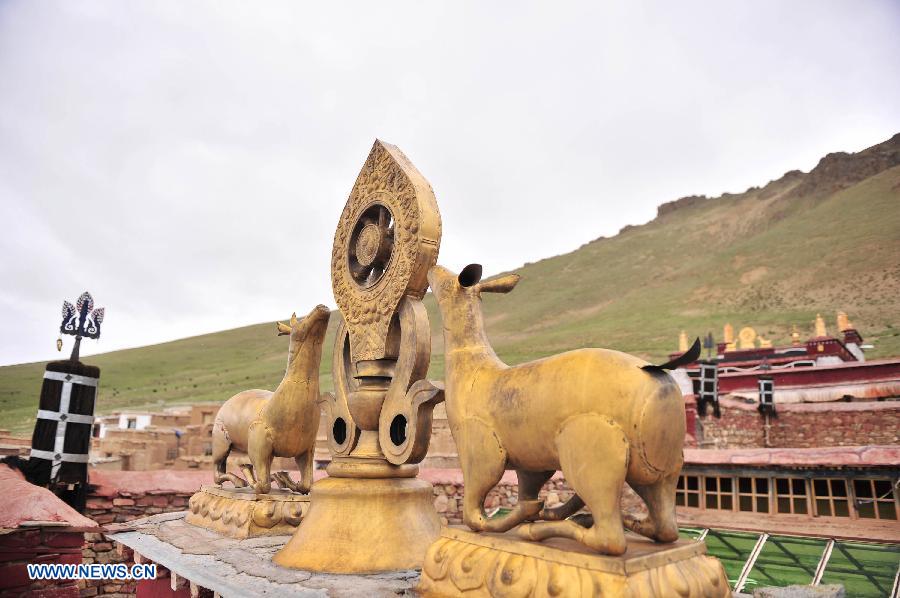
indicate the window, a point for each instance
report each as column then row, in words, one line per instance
column 790, row 496
column 831, row 498
column 719, row 493
column 171, row 454
column 753, row 495
column 132, row 423
column 207, row 448
column 875, row 499
column 687, row 493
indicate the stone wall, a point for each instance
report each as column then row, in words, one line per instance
column 804, row 425
column 36, row 527
column 448, row 494
column 41, row 545
column 121, row 496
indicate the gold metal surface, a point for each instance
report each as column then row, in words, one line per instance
column 683, row 342
column 281, row 424
column 241, row 513
column 820, row 326
column 404, row 237
column 371, row 513
column 364, row 525
column 747, row 338
column 843, row 322
column 728, row 334
column 593, row 413
column 496, row 565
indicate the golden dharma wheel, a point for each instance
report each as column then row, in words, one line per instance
column 387, row 239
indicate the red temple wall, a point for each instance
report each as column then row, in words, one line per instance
column 801, row 425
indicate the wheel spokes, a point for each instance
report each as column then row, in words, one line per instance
column 359, row 271
column 384, row 218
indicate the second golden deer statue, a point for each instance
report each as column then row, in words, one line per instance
column 283, row 423
column 601, row 416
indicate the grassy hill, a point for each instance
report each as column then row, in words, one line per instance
column 770, row 257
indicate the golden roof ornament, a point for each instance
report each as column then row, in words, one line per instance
column 683, row 342
column 820, row 326
column 795, row 336
column 371, row 513
column 728, row 334
column 843, row 322
column 387, row 238
column 747, row 338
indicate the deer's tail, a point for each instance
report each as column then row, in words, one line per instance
column 685, row 358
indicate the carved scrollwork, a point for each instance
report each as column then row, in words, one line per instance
column 386, row 240
column 404, row 429
column 342, row 431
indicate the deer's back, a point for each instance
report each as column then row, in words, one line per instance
column 238, row 413
column 528, row 404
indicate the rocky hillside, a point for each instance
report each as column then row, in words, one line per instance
column 770, row 257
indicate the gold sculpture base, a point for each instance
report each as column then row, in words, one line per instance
column 364, row 524
column 241, row 513
column 499, row 565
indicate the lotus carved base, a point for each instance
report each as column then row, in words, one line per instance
column 241, row 513
column 498, row 565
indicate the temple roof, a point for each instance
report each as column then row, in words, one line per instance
column 34, row 506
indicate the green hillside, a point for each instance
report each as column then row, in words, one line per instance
column 770, row 257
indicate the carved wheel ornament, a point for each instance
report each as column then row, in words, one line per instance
column 371, row 245
column 386, row 241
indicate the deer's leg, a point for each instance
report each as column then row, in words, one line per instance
column 528, row 506
column 583, row 442
column 249, row 474
column 261, row 452
column 659, row 524
column 283, row 480
column 221, row 448
column 567, row 509
column 305, row 464
column 483, row 461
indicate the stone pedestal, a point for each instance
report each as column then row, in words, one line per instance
column 499, row 565
column 241, row 513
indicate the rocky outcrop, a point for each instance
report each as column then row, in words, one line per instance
column 840, row 170
column 680, row 204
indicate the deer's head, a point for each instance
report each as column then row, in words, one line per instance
column 306, row 334
column 459, row 299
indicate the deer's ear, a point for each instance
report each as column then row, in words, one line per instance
column 282, row 328
column 470, row 275
column 504, row 284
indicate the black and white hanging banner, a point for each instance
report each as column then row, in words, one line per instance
column 62, row 417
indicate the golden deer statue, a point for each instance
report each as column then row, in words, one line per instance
column 602, row 417
column 283, row 423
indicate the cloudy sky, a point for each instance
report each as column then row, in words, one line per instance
column 187, row 161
